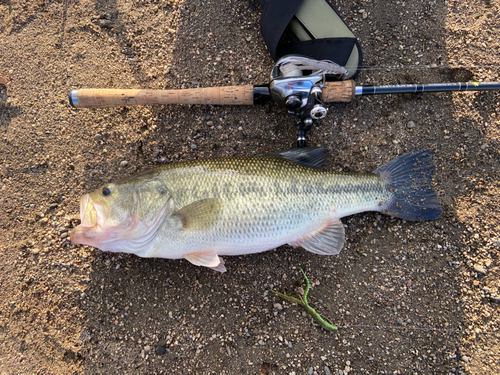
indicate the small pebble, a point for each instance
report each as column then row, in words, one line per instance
column 410, row 125
column 278, row 306
column 124, row 163
column 495, row 298
column 194, row 147
column 161, row 347
column 105, row 24
column 160, row 350
column 479, row 269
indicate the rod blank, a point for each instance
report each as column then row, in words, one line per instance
column 427, row 87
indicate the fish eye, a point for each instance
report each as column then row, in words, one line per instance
column 106, row 191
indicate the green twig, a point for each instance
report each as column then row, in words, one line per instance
column 303, row 302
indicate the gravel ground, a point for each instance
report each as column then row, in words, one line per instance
column 409, row 297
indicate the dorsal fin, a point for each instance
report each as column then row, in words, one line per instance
column 314, row 157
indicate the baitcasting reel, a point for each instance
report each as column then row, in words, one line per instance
column 297, row 83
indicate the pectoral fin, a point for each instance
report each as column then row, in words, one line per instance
column 199, row 215
column 329, row 240
column 207, row 259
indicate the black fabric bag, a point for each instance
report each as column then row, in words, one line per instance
column 311, row 28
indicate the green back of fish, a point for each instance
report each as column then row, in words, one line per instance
column 268, row 184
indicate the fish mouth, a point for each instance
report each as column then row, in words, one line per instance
column 92, row 215
column 115, row 231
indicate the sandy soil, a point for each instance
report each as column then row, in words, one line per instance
column 409, row 297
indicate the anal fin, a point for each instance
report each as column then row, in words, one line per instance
column 329, row 240
column 206, row 259
column 221, row 267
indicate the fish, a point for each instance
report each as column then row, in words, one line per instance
column 200, row 210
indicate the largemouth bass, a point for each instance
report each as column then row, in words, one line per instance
column 202, row 209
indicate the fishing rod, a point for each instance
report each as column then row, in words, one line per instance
column 298, row 83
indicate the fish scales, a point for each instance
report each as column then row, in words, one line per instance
column 271, row 178
column 267, row 200
column 200, row 209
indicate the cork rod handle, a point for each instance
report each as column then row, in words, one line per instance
column 341, row 91
column 100, row 98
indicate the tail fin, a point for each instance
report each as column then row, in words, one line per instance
column 409, row 179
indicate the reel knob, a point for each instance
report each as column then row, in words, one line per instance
column 318, row 112
column 293, row 103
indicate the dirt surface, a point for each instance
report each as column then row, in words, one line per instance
column 409, row 297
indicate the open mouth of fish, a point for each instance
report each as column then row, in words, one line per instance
column 92, row 216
